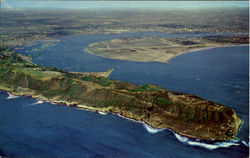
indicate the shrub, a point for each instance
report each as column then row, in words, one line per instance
column 3, row 70
column 30, row 82
column 180, row 109
column 220, row 116
column 130, row 102
column 99, row 80
column 146, row 87
column 87, row 78
column 104, row 81
column 187, row 115
column 161, row 101
column 69, row 81
column 203, row 115
column 194, row 114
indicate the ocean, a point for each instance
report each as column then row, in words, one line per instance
column 30, row 127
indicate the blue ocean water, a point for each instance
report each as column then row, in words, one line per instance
column 46, row 130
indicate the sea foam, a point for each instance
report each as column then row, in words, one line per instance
column 38, row 102
column 245, row 143
column 213, row 146
column 11, row 96
column 102, row 113
column 151, row 129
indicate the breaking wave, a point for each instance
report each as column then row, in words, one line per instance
column 245, row 143
column 102, row 113
column 213, row 146
column 11, row 96
column 127, row 118
column 151, row 129
column 38, row 102
column 180, row 138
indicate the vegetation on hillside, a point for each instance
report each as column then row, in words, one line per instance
column 148, row 103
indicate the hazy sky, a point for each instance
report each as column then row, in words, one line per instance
column 120, row 4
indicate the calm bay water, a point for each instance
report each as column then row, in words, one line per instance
column 219, row 74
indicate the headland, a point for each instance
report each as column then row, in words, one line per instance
column 186, row 114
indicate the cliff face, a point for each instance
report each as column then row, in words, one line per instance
column 186, row 114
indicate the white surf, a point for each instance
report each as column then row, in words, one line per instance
column 38, row 102
column 213, row 146
column 102, row 113
column 11, row 96
column 245, row 143
column 151, row 129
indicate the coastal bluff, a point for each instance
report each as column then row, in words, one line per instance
column 186, row 114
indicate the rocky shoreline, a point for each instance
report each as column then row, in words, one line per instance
column 120, row 113
column 187, row 115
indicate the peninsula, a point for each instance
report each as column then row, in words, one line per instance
column 159, row 49
column 186, row 114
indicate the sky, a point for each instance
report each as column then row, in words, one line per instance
column 121, row 4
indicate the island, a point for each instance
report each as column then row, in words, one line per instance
column 159, row 49
column 186, row 114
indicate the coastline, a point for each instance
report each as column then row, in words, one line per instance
column 158, row 108
column 86, row 50
column 207, row 48
column 112, row 110
column 209, row 145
